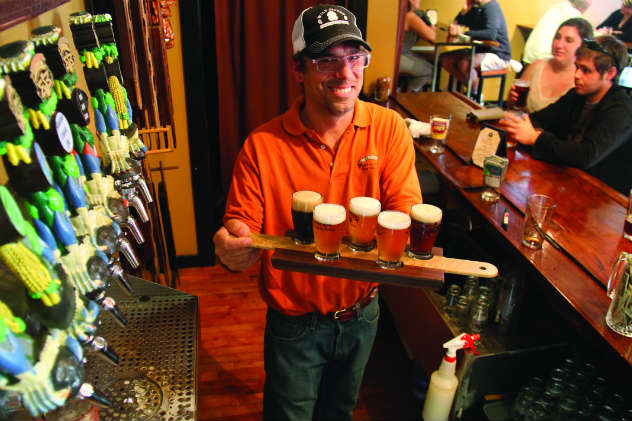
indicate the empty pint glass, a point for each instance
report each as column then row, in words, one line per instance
column 363, row 212
column 329, row 224
column 424, row 229
column 392, row 236
column 303, row 203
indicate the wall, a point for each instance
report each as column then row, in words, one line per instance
column 178, row 179
column 382, row 29
column 381, row 33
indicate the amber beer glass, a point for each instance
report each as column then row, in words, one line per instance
column 363, row 212
column 392, row 236
column 303, row 203
column 522, row 89
column 329, row 224
column 424, row 229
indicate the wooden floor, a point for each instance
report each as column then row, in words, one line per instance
column 230, row 371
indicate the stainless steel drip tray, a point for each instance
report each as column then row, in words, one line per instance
column 156, row 376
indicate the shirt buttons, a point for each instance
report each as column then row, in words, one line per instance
column 331, row 164
column 323, row 147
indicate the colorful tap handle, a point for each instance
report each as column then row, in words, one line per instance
column 112, row 119
column 12, row 357
column 99, row 121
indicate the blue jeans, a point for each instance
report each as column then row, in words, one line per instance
column 314, row 366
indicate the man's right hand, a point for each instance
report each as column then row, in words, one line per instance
column 233, row 246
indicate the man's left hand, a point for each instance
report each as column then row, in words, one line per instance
column 519, row 128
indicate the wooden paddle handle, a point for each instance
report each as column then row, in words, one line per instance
column 445, row 264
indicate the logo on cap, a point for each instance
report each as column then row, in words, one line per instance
column 332, row 19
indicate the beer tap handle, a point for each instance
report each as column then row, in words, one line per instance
column 87, row 391
column 118, row 273
column 132, row 226
column 110, row 305
column 141, row 184
column 99, row 344
column 127, row 250
column 138, row 204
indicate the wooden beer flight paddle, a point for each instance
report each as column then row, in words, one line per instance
column 361, row 266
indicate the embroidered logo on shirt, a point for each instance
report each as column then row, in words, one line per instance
column 369, row 162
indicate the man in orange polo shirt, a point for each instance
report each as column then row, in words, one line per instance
column 333, row 143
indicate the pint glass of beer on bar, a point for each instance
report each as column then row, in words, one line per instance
column 329, row 225
column 392, row 236
column 303, row 203
column 424, row 229
column 363, row 212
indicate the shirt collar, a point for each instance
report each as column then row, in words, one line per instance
column 292, row 119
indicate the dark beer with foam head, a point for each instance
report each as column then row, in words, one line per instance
column 424, row 229
column 363, row 213
column 329, row 225
column 392, row 236
column 303, row 203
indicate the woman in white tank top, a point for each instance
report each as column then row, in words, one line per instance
column 552, row 78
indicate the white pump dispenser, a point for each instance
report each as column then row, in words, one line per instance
column 443, row 381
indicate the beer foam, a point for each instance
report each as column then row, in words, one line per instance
column 393, row 220
column 364, row 206
column 428, row 214
column 305, row 200
column 330, row 214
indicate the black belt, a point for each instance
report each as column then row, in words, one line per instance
column 349, row 313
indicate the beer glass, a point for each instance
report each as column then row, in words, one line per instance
column 329, row 224
column 392, row 236
column 439, row 128
column 424, row 229
column 538, row 215
column 303, row 203
column 363, row 213
column 522, row 89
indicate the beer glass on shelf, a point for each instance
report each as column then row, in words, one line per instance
column 439, row 128
column 363, row 213
column 329, row 225
column 392, row 235
column 303, row 203
column 424, row 229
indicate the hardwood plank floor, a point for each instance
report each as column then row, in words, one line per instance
column 230, row 367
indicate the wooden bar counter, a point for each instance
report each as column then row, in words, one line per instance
column 587, row 223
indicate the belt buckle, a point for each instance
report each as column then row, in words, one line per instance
column 338, row 313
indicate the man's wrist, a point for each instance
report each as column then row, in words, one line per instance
column 535, row 136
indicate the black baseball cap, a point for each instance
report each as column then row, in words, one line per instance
column 320, row 27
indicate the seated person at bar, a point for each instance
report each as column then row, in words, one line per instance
column 416, row 26
column 485, row 21
column 552, row 78
column 618, row 23
column 319, row 329
column 591, row 126
column 538, row 45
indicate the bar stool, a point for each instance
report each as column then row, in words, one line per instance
column 502, row 74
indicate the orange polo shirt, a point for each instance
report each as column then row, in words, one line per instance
column 375, row 157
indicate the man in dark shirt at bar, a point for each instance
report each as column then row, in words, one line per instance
column 591, row 126
column 479, row 20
